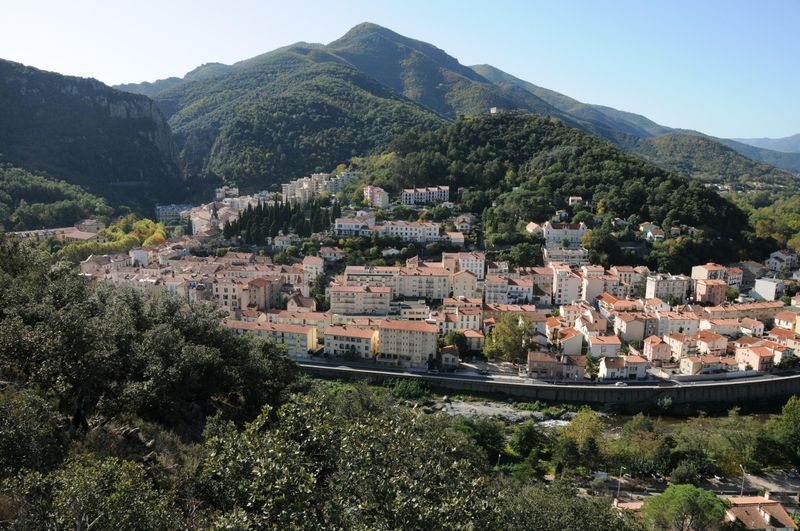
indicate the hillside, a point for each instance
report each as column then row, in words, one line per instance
column 33, row 201
column 789, row 144
column 248, row 122
column 719, row 165
column 705, row 159
column 284, row 114
column 528, row 166
column 113, row 144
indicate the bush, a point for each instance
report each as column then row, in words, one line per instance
column 685, row 474
column 408, row 389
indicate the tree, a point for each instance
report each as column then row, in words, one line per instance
column 30, row 437
column 787, row 428
column 684, row 508
column 509, row 339
column 457, row 338
column 94, row 494
column 585, row 424
column 527, row 437
column 685, row 474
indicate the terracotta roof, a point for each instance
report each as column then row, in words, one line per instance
column 364, row 333
column 412, row 326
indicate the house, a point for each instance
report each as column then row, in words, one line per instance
column 656, row 350
column 783, row 259
column 709, row 342
column 331, row 254
column 768, row 289
column 666, row 286
column 604, row 346
column 758, row 512
column 465, row 222
column 710, row 291
column 694, row 365
column 569, row 341
column 556, row 235
column 681, row 345
column 298, row 303
column 758, row 358
column 623, row 368
column 544, row 365
column 314, row 265
column 455, row 238
column 422, row 196
column 786, row 319
column 448, row 357
column 655, row 234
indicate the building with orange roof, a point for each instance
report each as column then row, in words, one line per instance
column 351, row 342
column 407, row 343
column 656, row 350
column 758, row 512
column 604, row 346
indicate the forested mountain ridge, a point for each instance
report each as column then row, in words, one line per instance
column 222, row 114
column 788, row 144
column 112, row 143
column 519, row 168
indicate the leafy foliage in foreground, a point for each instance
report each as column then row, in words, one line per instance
column 142, row 407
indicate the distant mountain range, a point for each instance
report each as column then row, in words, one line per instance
column 303, row 108
column 789, row 144
column 250, row 122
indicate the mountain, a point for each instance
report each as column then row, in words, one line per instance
column 719, row 165
column 706, row 159
column 111, row 143
column 519, row 168
column 789, row 144
column 621, row 121
column 249, row 122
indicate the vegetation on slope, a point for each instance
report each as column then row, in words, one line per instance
column 710, row 161
column 33, row 201
column 283, row 115
column 528, row 167
column 114, row 144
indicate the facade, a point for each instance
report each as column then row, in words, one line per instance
column 424, row 196
column 351, row 342
column 304, row 189
column 555, row 234
column 376, row 197
column 407, row 343
column 360, row 300
column 665, row 286
column 298, row 340
column 710, row 291
column 604, row 346
column 768, row 289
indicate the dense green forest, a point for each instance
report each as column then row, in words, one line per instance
column 124, row 409
column 114, row 144
column 256, row 224
column 528, row 166
column 33, row 201
column 708, row 160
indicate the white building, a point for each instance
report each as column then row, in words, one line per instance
column 423, row 196
column 556, row 234
column 376, row 197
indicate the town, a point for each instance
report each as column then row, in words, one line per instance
column 564, row 321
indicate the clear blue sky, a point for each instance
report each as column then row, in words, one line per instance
column 729, row 68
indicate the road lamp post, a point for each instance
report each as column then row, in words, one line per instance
column 619, row 480
column 741, row 492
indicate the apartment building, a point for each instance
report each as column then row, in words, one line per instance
column 710, row 291
column 297, row 340
column 666, row 286
column 566, row 285
column 556, row 234
column 604, row 346
column 424, row 196
column 409, row 231
column 360, row 300
column 351, row 342
column 475, row 262
column 376, row 197
column 407, row 343
column 304, row 189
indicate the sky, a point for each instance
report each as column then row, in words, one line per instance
column 729, row 68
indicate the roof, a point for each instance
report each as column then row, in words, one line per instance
column 313, row 260
column 364, row 333
column 604, row 340
column 786, row 316
column 756, row 512
column 270, row 327
column 411, row 326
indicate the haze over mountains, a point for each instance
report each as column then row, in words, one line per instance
column 789, row 144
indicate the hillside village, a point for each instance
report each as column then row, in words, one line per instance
column 576, row 321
